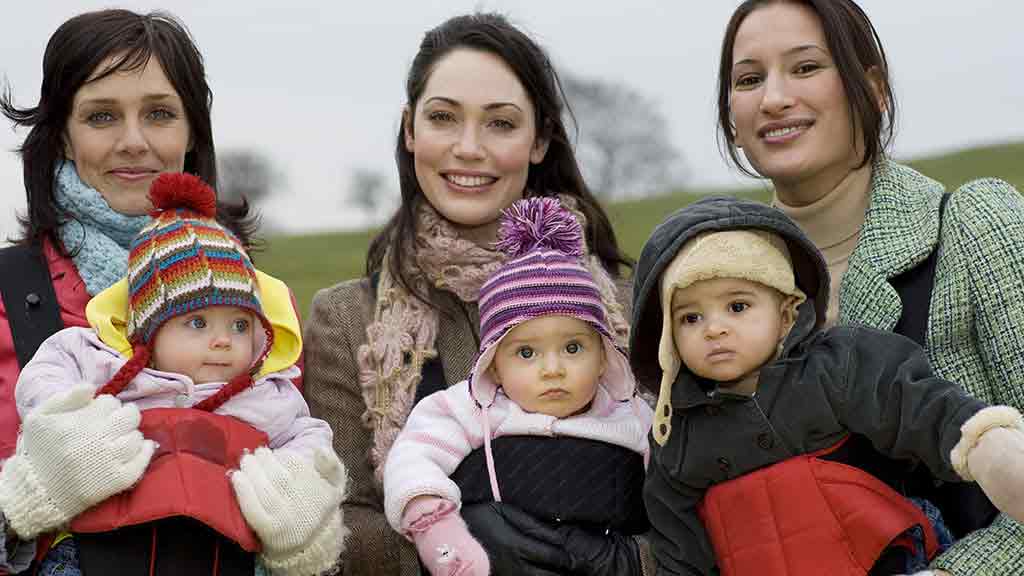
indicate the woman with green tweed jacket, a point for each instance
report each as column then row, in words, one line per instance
column 804, row 92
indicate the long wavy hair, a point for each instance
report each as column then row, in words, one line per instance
column 857, row 52
column 558, row 173
column 128, row 40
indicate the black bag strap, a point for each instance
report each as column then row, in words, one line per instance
column 915, row 289
column 33, row 313
column 432, row 374
column 964, row 506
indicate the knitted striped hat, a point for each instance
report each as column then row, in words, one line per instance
column 184, row 260
column 545, row 274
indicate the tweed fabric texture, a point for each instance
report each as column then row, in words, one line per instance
column 183, row 261
column 975, row 331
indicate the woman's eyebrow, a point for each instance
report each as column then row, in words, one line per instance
column 790, row 52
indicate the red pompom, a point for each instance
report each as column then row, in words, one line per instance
column 173, row 190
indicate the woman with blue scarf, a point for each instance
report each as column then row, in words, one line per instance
column 124, row 98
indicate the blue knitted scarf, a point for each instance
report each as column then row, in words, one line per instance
column 97, row 237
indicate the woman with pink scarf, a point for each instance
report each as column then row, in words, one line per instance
column 482, row 127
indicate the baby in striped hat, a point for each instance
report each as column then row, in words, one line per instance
column 548, row 420
column 178, row 401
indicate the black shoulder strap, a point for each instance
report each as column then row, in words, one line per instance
column 964, row 506
column 33, row 313
column 915, row 289
column 432, row 374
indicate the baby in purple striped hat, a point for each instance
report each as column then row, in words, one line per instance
column 548, row 421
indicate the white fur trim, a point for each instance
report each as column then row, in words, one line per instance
column 976, row 426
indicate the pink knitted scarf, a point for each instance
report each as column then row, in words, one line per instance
column 401, row 337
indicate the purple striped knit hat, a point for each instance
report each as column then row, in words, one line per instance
column 544, row 275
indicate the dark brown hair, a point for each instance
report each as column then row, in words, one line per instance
column 557, row 173
column 856, row 50
column 74, row 52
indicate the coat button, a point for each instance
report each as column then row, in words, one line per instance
column 764, row 440
column 723, row 464
column 712, row 410
column 181, row 401
column 33, row 299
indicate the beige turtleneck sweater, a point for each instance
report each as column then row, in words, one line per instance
column 833, row 223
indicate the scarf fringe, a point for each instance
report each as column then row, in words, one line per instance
column 402, row 335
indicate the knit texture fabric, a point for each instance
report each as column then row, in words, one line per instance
column 544, row 276
column 402, row 333
column 74, row 452
column 293, row 503
column 974, row 336
column 184, row 260
column 443, row 540
column 97, row 237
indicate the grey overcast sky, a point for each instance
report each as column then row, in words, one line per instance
column 317, row 86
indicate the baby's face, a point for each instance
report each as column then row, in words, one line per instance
column 551, row 365
column 726, row 328
column 213, row 344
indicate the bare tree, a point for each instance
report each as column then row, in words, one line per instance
column 246, row 172
column 624, row 146
column 368, row 190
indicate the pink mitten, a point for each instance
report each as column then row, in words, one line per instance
column 443, row 540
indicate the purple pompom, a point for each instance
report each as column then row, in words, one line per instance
column 543, row 223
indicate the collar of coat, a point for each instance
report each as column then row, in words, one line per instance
column 901, row 229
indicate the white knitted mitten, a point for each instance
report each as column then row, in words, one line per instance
column 74, row 451
column 293, row 503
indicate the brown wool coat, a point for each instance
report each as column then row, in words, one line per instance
column 335, row 330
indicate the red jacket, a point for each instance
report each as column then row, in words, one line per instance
column 72, row 298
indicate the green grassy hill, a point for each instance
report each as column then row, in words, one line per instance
column 308, row 263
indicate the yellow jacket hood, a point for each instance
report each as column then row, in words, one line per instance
column 107, row 313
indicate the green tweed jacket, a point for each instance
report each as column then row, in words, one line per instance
column 976, row 320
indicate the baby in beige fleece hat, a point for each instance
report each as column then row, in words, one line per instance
column 765, row 419
column 730, row 299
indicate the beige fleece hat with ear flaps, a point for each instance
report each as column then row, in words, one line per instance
column 754, row 255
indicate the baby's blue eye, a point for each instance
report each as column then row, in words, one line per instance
column 525, row 352
column 691, row 318
column 241, row 326
column 197, row 322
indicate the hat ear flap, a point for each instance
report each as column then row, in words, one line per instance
column 663, row 410
column 669, row 361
